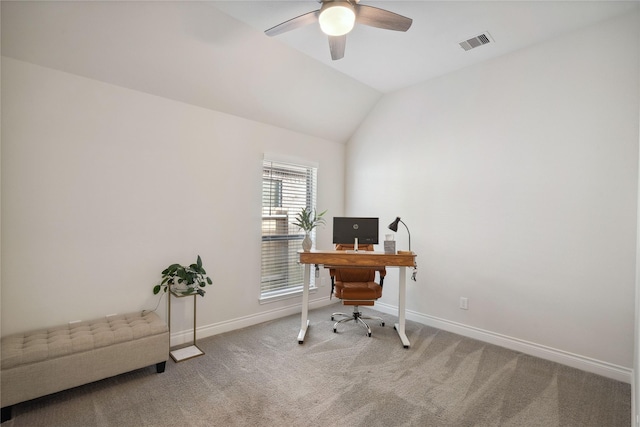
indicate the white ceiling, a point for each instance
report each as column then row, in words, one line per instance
column 389, row 60
column 215, row 55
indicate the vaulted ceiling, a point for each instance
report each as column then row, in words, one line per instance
column 389, row 60
column 215, row 54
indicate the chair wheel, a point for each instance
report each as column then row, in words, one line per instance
column 369, row 334
column 335, row 331
column 332, row 319
column 382, row 324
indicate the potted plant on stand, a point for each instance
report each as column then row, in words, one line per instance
column 182, row 281
column 307, row 220
column 185, row 280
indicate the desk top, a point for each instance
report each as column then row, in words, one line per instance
column 357, row 259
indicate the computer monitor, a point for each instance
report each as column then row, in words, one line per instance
column 347, row 229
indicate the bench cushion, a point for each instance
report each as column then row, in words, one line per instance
column 36, row 346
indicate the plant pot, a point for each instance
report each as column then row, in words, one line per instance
column 181, row 288
column 307, row 243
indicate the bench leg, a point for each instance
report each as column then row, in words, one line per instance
column 160, row 367
column 6, row 413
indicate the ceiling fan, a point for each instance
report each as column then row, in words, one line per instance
column 337, row 18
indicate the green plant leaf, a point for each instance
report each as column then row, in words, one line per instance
column 308, row 220
column 193, row 276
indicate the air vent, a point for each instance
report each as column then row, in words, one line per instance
column 476, row 41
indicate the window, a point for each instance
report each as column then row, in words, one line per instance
column 286, row 190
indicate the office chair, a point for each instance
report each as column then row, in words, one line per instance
column 356, row 287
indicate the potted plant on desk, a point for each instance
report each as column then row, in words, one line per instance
column 185, row 280
column 307, row 221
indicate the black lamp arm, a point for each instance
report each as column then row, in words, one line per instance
column 408, row 232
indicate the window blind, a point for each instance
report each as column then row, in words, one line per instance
column 286, row 190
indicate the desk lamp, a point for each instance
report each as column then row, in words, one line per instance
column 394, row 227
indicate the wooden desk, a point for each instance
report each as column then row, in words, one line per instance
column 357, row 259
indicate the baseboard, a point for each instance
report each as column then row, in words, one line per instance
column 599, row 367
column 183, row 337
column 577, row 361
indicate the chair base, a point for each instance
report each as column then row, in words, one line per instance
column 357, row 317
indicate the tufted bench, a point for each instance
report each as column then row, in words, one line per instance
column 46, row 361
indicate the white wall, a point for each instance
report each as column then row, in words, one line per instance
column 518, row 180
column 103, row 187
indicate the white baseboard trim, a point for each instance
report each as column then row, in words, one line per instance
column 577, row 361
column 184, row 337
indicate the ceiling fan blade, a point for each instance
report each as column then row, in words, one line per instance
column 380, row 18
column 294, row 23
column 336, row 46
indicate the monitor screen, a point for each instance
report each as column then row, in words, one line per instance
column 346, row 229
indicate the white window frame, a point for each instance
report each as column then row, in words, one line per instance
column 288, row 186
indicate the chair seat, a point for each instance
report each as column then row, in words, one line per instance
column 358, row 290
column 355, row 287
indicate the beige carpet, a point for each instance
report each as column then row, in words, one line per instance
column 261, row 376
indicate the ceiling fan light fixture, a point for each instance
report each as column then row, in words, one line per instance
column 337, row 18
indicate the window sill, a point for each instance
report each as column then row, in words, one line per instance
column 285, row 295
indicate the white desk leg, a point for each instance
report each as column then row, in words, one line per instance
column 304, row 324
column 399, row 327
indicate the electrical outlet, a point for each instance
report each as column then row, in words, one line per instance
column 464, row 303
